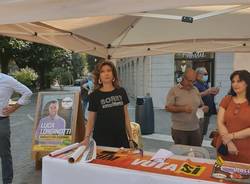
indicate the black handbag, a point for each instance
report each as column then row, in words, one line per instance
column 214, row 135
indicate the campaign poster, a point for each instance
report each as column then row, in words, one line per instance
column 55, row 120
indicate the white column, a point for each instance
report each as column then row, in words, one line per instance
column 133, row 78
column 123, row 74
column 223, row 69
column 162, row 68
column 129, row 77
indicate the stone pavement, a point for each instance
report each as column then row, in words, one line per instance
column 22, row 124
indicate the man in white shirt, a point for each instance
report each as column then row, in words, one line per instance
column 8, row 85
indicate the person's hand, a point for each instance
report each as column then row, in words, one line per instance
column 131, row 144
column 188, row 109
column 208, row 91
column 9, row 109
column 217, row 90
column 85, row 141
column 205, row 108
column 226, row 138
column 214, row 90
column 232, row 149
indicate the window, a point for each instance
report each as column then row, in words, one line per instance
column 194, row 60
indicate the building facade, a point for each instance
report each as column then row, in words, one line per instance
column 155, row 75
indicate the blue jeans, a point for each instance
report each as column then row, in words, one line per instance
column 5, row 152
column 85, row 101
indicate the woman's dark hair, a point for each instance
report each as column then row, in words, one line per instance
column 97, row 72
column 244, row 75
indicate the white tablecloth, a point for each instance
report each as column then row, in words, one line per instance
column 58, row 171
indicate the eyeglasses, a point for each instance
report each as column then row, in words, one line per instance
column 237, row 109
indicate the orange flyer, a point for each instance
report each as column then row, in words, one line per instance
column 174, row 167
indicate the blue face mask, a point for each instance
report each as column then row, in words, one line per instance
column 205, row 78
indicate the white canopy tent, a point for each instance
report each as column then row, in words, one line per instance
column 20, row 11
column 128, row 32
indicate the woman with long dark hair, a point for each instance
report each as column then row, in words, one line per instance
column 108, row 117
column 234, row 118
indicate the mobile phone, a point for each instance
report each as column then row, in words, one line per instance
column 223, row 150
column 219, row 85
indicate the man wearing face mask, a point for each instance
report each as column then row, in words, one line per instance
column 207, row 95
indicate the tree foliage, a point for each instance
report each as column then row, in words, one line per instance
column 42, row 58
column 79, row 64
column 92, row 61
column 7, row 50
column 26, row 76
column 61, row 75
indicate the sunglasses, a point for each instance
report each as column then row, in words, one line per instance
column 237, row 109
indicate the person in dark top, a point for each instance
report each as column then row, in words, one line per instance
column 84, row 96
column 207, row 95
column 108, row 117
column 86, row 88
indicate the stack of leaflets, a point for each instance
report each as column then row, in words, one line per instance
column 77, row 152
column 161, row 155
column 231, row 171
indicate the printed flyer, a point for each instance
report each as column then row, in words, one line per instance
column 231, row 171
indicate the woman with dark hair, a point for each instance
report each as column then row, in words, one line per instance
column 108, row 117
column 233, row 119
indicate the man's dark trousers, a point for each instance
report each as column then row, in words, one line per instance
column 5, row 152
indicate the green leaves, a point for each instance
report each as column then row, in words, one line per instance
column 61, row 75
column 26, row 76
column 45, row 60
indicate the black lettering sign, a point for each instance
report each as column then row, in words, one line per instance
column 187, row 168
column 107, row 155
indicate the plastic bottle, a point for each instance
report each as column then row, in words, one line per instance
column 191, row 153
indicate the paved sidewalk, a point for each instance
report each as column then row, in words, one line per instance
column 22, row 124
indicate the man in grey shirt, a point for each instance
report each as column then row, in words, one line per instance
column 8, row 86
column 183, row 100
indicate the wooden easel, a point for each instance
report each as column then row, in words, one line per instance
column 78, row 129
